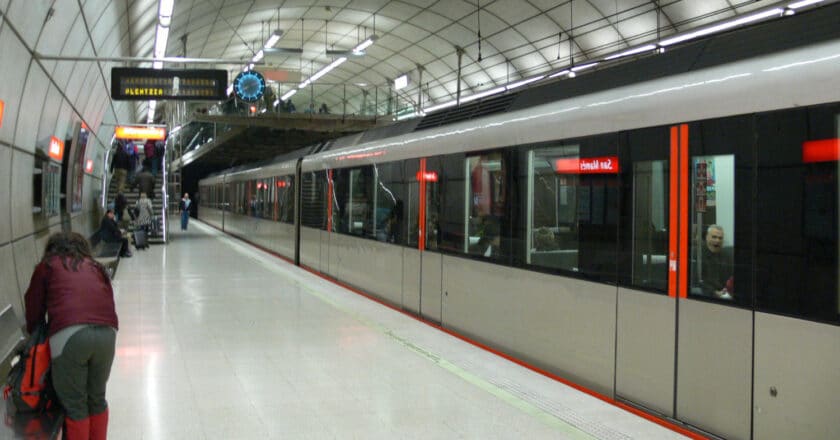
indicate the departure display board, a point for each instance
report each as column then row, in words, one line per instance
column 135, row 84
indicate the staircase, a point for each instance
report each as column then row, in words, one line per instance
column 132, row 194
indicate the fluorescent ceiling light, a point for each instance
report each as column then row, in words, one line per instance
column 439, row 106
column 288, row 94
column 273, row 39
column 524, row 81
column 646, row 48
column 166, row 7
column 161, row 38
column 560, row 73
column 176, row 129
column 584, row 67
column 258, row 56
column 483, row 94
column 401, row 82
column 722, row 26
column 364, row 44
column 230, row 89
column 803, row 3
column 157, row 65
column 322, row 72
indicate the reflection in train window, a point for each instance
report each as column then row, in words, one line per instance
column 485, row 202
column 313, row 197
column 285, row 199
column 712, row 226
column 650, row 224
column 389, row 203
column 552, row 237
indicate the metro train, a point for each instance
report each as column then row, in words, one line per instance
column 671, row 244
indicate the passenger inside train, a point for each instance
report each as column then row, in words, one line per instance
column 715, row 266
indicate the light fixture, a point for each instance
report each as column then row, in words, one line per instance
column 584, row 67
column 401, row 82
column 523, row 82
column 359, row 49
column 258, row 56
column 165, row 12
column 724, row 26
column 273, row 39
column 439, row 106
column 646, row 48
column 322, row 72
column 803, row 3
column 288, row 94
column 560, row 73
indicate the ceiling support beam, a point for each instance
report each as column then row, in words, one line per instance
column 173, row 60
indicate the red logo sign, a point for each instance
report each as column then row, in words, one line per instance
column 2, row 105
column 428, row 176
column 587, row 165
column 56, row 148
column 825, row 150
column 89, row 166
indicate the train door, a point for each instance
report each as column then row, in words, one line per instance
column 431, row 269
column 646, row 307
column 714, row 360
column 412, row 252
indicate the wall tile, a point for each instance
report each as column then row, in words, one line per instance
column 13, row 74
column 5, row 179
column 9, row 289
column 21, row 204
column 34, row 92
column 28, row 17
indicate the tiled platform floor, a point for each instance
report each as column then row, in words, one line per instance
column 219, row 340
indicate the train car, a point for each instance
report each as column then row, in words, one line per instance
column 672, row 244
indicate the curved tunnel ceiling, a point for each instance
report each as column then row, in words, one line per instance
column 519, row 38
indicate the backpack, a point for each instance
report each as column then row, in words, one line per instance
column 29, row 384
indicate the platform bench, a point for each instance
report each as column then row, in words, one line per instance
column 105, row 253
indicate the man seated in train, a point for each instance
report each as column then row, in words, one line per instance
column 716, row 266
column 489, row 245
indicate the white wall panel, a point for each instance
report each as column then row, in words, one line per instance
column 21, row 204
column 66, row 118
column 57, row 31
column 13, row 74
column 9, row 290
column 49, row 113
column 76, row 87
column 25, row 260
column 28, row 17
column 29, row 115
column 5, row 176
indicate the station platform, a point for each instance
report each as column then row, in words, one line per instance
column 220, row 340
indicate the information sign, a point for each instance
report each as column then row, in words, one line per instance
column 135, row 84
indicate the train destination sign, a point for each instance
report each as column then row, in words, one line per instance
column 587, row 165
column 135, row 84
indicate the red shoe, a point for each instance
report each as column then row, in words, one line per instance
column 99, row 426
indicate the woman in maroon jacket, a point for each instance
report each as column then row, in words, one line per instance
column 74, row 291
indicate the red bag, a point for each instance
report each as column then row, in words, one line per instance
column 29, row 384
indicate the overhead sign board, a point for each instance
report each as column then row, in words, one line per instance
column 135, row 132
column 135, row 84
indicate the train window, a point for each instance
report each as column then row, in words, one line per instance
column 552, row 239
column 433, row 200
column 389, row 203
column 485, row 198
column 262, row 198
column 797, row 213
column 572, row 207
column 313, row 196
column 353, row 201
column 285, row 199
column 712, row 193
column 650, row 224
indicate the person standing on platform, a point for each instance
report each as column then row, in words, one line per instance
column 70, row 287
column 120, row 166
column 184, row 206
column 150, row 161
column 120, row 203
column 145, row 213
column 146, row 182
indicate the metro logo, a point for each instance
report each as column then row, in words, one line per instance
column 56, row 148
column 587, row 165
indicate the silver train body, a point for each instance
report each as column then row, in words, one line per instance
column 733, row 370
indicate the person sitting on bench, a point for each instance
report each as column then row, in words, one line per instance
column 110, row 233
